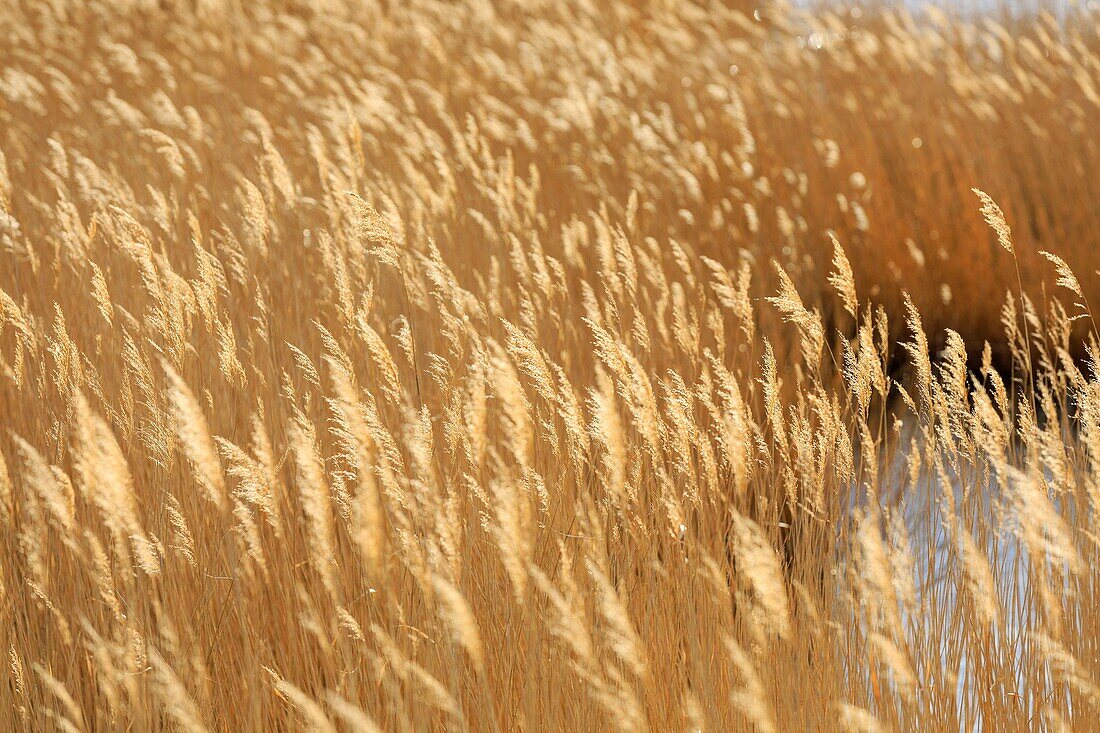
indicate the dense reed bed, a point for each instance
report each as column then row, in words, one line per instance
column 547, row 366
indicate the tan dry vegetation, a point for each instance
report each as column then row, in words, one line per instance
column 407, row 365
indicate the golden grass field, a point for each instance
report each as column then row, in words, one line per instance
column 671, row 365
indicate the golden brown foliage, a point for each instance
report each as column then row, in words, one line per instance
column 531, row 366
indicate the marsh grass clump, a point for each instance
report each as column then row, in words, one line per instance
column 566, row 366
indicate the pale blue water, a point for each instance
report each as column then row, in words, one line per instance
column 964, row 7
column 936, row 578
